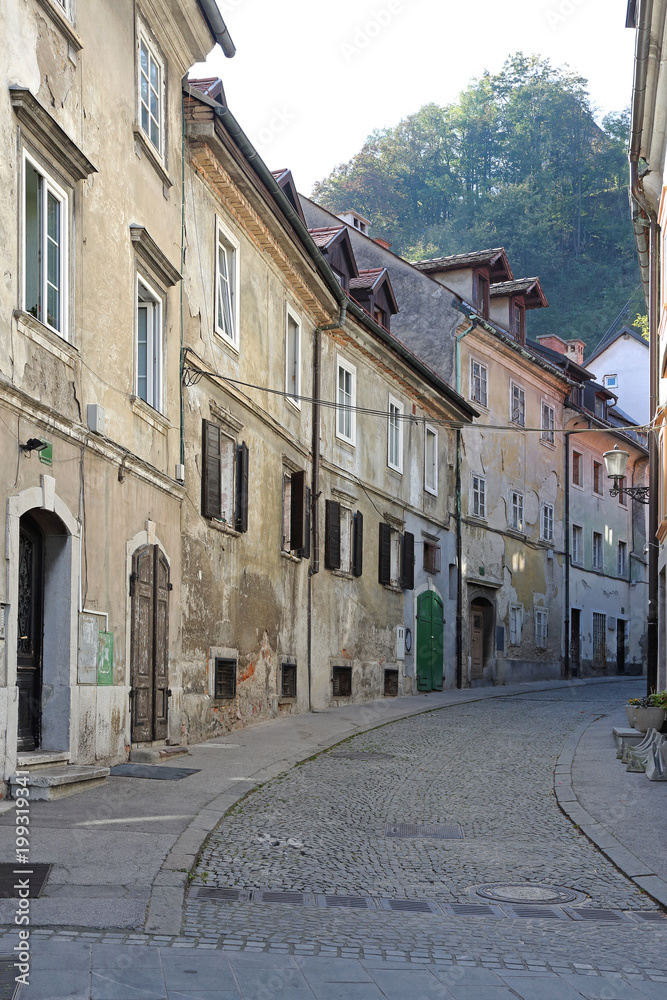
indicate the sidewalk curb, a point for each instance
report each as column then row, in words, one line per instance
column 167, row 899
column 632, row 867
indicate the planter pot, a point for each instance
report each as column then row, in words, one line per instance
column 630, row 712
column 649, row 718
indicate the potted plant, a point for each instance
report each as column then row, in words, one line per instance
column 650, row 712
column 630, row 710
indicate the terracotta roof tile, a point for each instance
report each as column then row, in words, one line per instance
column 367, row 278
column 530, row 287
column 323, row 237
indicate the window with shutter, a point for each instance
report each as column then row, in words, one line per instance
column 298, row 511
column 241, row 520
column 211, row 470
column 304, row 551
column 332, row 535
column 408, row 562
column 431, row 557
column 384, row 555
column 358, row 546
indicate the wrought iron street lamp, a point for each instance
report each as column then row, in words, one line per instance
column 615, row 462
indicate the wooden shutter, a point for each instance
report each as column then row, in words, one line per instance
column 358, row 544
column 304, row 551
column 384, row 557
column 408, row 567
column 211, row 470
column 298, row 511
column 241, row 518
column 332, row 535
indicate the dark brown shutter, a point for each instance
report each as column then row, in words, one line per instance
column 298, row 511
column 241, row 519
column 384, row 556
column 304, row 551
column 408, row 568
column 358, row 544
column 332, row 535
column 211, row 470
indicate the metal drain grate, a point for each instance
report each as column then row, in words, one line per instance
column 649, row 915
column 275, row 896
column 349, row 902
column 471, row 910
column 159, row 771
column 8, row 975
column 362, row 755
column 592, row 914
column 9, row 874
column 535, row 911
column 222, row 895
column 410, row 905
column 437, row 831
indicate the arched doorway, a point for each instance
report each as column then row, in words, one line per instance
column 481, row 636
column 430, row 636
column 29, row 645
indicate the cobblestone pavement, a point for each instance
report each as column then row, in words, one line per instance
column 320, row 829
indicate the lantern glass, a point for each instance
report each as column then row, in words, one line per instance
column 615, row 462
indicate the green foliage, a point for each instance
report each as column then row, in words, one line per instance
column 641, row 324
column 517, row 161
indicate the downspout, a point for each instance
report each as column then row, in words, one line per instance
column 315, row 482
column 566, row 649
column 180, row 368
column 638, row 103
column 459, row 568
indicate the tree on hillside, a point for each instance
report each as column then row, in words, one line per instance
column 517, row 161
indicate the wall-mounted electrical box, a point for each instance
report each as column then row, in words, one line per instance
column 400, row 642
column 95, row 418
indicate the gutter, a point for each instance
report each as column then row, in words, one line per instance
column 649, row 263
column 218, row 27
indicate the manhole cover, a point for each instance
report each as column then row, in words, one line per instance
column 158, row 771
column 362, row 755
column 35, row 875
column 527, row 892
column 437, row 831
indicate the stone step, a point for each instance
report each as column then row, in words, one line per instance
column 59, row 781
column 153, row 755
column 35, row 760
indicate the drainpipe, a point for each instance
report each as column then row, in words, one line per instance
column 459, row 568
column 642, row 47
column 315, row 483
column 566, row 659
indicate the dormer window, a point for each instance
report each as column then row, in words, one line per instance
column 340, row 278
column 482, row 295
column 380, row 317
column 600, row 407
column 518, row 320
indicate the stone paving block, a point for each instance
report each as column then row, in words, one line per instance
column 541, row 988
column 603, row 988
column 57, row 985
column 112, row 984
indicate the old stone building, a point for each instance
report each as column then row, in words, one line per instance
column 91, row 168
column 319, row 457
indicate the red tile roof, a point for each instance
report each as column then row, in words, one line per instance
column 530, row 287
column 367, row 278
column 323, row 237
column 496, row 259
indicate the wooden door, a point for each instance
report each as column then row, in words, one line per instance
column 620, row 646
column 149, row 644
column 30, row 616
column 430, row 636
column 575, row 641
column 476, row 641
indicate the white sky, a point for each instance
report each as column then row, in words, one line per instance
column 312, row 78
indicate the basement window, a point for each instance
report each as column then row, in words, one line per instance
column 288, row 680
column 225, row 678
column 342, row 682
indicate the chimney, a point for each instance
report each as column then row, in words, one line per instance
column 383, row 243
column 553, row 342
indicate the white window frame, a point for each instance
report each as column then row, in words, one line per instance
column 293, row 377
column 548, row 433
column 541, row 627
column 154, row 55
column 610, row 381
column 431, row 465
column 519, row 389
column 52, row 188
column 577, row 545
column 154, row 343
column 226, row 241
column 396, row 410
column 516, row 624
column 598, row 563
column 342, row 407
column 478, row 495
column 517, row 521
column 547, row 522
column 622, row 563
column 483, row 382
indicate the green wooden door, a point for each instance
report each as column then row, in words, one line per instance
column 430, row 638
